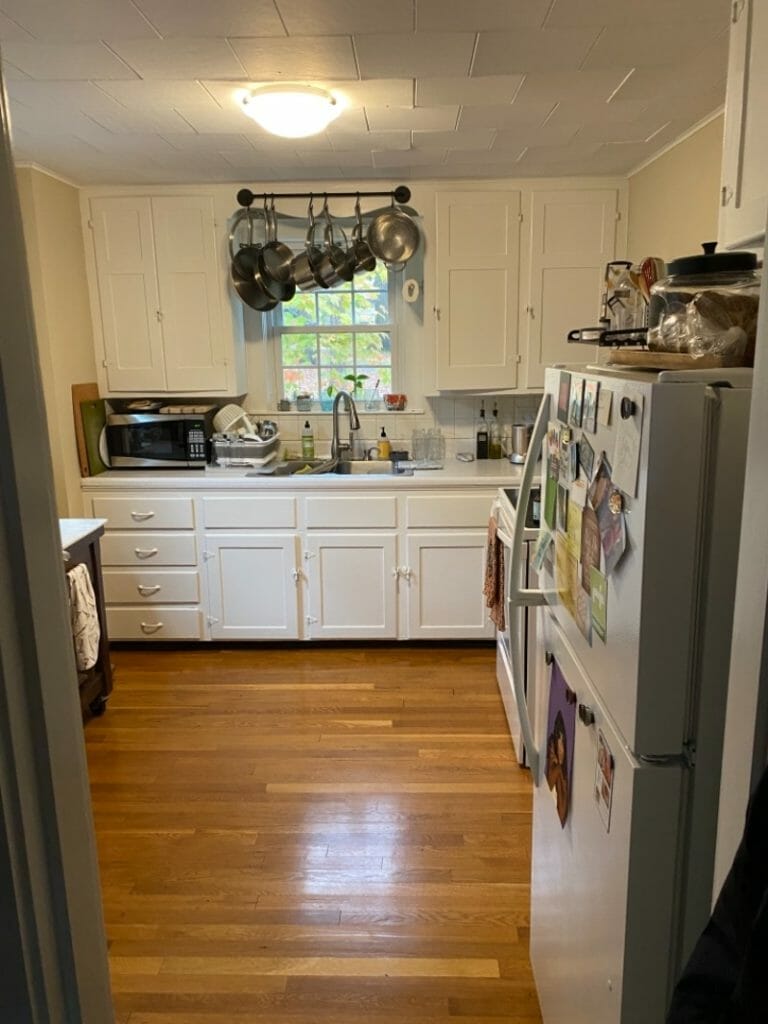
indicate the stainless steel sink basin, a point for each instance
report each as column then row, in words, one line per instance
column 325, row 467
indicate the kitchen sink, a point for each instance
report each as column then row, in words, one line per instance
column 325, row 467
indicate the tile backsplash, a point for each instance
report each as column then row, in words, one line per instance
column 456, row 417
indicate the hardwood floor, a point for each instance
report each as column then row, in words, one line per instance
column 312, row 835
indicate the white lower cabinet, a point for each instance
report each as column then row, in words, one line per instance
column 253, row 586
column 352, row 585
column 444, row 577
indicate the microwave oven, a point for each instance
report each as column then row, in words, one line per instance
column 157, row 440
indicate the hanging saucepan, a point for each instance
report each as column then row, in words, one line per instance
column 246, row 276
column 275, row 260
column 305, row 266
column 336, row 262
column 365, row 261
column 393, row 236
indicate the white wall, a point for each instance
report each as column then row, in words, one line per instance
column 673, row 201
column 56, row 260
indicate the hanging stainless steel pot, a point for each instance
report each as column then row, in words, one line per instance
column 365, row 261
column 246, row 276
column 274, row 260
column 336, row 261
column 393, row 236
column 305, row 266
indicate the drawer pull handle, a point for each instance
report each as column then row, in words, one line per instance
column 145, row 552
column 141, row 516
column 146, row 590
column 151, row 627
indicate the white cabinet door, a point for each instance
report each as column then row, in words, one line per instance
column 478, row 254
column 190, row 293
column 744, row 195
column 352, row 585
column 253, row 586
column 445, row 575
column 128, row 296
column 572, row 237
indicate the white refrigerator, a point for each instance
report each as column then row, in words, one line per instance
column 642, row 478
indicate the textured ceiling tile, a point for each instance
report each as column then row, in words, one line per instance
column 79, row 20
column 211, row 118
column 71, row 61
column 496, row 161
column 48, row 123
column 546, row 135
column 296, row 59
column 138, row 93
column 332, row 17
column 503, row 53
column 620, row 132
column 12, row 74
column 436, row 118
column 222, row 18
column 192, row 143
column 121, row 119
column 521, row 112
column 479, row 15
column 377, row 92
column 350, row 120
column 360, row 141
column 646, row 45
column 578, row 112
column 584, row 86
column 560, row 154
column 11, row 30
column 415, row 55
column 408, row 158
column 479, row 139
column 491, row 89
column 171, row 59
column 579, row 13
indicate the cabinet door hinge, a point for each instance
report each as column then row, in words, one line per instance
column 297, row 575
column 159, row 315
column 618, row 215
column 208, row 555
column 90, row 224
column 521, row 217
column 105, row 364
column 310, row 620
column 726, row 195
column 736, row 10
column 211, row 620
column 308, row 555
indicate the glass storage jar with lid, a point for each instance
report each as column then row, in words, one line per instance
column 707, row 307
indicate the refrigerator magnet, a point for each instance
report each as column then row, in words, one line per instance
column 589, row 415
column 573, row 462
column 563, row 396
column 590, row 549
column 561, row 734
column 586, row 457
column 550, row 501
column 604, row 773
column 574, row 530
column 562, row 509
column 626, row 456
column 540, row 551
column 576, row 401
column 604, row 403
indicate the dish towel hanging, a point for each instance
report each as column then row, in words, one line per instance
column 86, row 632
column 493, row 588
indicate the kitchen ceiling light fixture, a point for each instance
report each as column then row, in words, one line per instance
column 293, row 111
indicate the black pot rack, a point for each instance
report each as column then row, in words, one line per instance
column 246, row 198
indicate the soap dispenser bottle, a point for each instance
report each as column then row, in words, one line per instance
column 481, row 435
column 494, row 435
column 384, row 447
column 307, row 442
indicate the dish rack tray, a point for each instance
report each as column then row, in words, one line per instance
column 228, row 451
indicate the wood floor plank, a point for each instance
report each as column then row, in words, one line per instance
column 312, row 835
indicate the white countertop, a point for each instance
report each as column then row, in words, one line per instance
column 485, row 473
column 73, row 530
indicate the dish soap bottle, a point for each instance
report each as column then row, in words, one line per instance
column 494, row 435
column 385, row 448
column 481, row 435
column 307, row 442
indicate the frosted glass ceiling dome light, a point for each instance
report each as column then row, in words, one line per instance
column 293, row 111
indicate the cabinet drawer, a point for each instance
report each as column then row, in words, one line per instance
column 449, row 509
column 145, row 513
column 129, row 586
column 155, row 623
column 247, row 513
column 335, row 513
column 148, row 549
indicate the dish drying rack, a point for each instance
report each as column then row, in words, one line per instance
column 232, row 450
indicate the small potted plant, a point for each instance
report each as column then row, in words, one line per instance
column 355, row 379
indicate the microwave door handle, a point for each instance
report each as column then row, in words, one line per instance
column 518, row 595
column 103, row 449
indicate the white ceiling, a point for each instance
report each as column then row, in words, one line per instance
column 143, row 91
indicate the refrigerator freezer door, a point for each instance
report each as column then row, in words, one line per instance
column 603, row 901
column 646, row 662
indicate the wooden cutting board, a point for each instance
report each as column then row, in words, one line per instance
column 82, row 393
column 663, row 360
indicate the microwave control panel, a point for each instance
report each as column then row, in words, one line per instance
column 196, row 442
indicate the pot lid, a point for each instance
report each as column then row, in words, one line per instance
column 711, row 262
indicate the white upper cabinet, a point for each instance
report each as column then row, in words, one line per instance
column 160, row 306
column 744, row 194
column 478, row 253
column 129, row 303
column 572, row 235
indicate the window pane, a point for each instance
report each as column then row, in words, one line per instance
column 336, row 349
column 376, row 279
column 335, row 307
column 300, row 310
column 374, row 349
column 297, row 380
column 299, row 350
column 381, row 373
column 371, row 308
column 335, row 375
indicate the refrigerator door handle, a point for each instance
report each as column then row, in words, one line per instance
column 518, row 596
